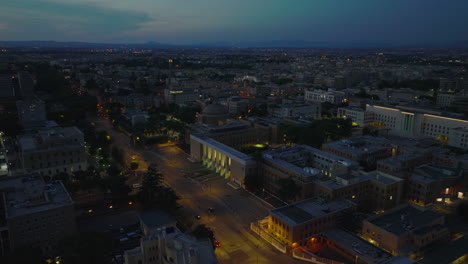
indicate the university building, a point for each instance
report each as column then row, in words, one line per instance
column 416, row 123
column 228, row 162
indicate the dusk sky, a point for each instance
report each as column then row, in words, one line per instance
column 400, row 22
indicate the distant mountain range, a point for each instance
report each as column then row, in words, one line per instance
column 77, row 44
column 260, row 44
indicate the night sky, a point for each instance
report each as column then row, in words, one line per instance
column 392, row 22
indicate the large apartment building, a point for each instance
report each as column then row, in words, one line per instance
column 304, row 165
column 406, row 230
column 372, row 191
column 402, row 165
column 429, row 184
column 296, row 223
column 34, row 214
column 52, row 150
column 365, row 150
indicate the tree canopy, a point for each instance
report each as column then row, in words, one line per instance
column 87, row 247
column 289, row 189
column 153, row 194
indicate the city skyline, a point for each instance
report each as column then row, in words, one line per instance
column 261, row 23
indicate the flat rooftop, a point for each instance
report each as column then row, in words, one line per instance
column 210, row 130
column 360, row 145
column 29, row 194
column 404, row 219
column 341, row 181
column 300, row 159
column 382, row 177
column 221, row 147
column 45, row 138
column 351, row 108
column 285, row 153
column 397, row 160
column 307, row 210
column 429, row 173
column 362, row 248
column 297, row 105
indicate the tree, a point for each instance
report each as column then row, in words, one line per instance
column 202, row 231
column 252, row 182
column 134, row 165
column 116, row 184
column 153, row 194
column 90, row 84
column 462, row 210
column 50, row 79
column 187, row 114
column 117, row 155
column 23, row 255
column 289, row 189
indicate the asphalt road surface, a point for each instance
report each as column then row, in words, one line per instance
column 234, row 210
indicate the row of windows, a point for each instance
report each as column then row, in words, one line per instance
column 55, row 154
column 56, row 163
column 57, row 170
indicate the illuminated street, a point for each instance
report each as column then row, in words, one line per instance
column 234, row 210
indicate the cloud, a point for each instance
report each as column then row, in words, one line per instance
column 188, row 21
column 45, row 20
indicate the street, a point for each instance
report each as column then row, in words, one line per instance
column 234, row 210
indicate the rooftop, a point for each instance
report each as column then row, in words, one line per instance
column 299, row 158
column 49, row 138
column 221, row 147
column 351, row 108
column 364, row 249
column 382, row 177
column 28, row 194
column 404, row 219
column 355, row 177
column 428, row 173
column 156, row 218
column 360, row 145
column 310, row 209
column 399, row 159
column 231, row 126
column 215, row 109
